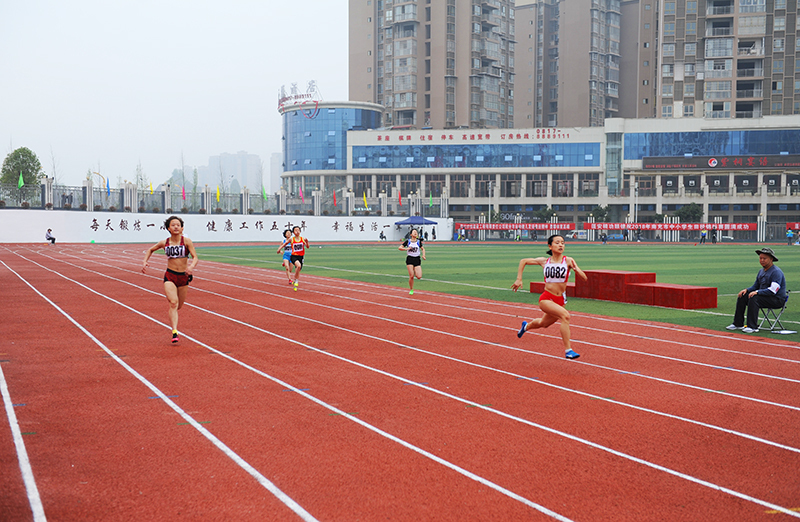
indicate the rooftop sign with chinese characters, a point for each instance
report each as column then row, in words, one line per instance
column 760, row 162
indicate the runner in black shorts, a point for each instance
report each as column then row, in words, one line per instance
column 179, row 271
column 414, row 249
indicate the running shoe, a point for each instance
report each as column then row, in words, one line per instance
column 747, row 329
column 733, row 327
column 174, row 338
column 295, row 286
column 522, row 330
column 290, row 281
column 410, row 292
column 572, row 355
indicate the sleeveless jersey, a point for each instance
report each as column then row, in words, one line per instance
column 175, row 251
column 413, row 247
column 556, row 272
column 298, row 246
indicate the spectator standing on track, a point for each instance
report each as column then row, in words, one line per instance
column 179, row 270
column 49, row 236
column 298, row 246
column 553, row 299
column 287, row 254
column 414, row 249
column 769, row 291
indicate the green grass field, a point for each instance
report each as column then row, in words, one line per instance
column 487, row 270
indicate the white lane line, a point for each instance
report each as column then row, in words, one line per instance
column 332, row 408
column 553, row 431
column 22, row 454
column 261, row 479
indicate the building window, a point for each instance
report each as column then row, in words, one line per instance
column 669, row 49
column 690, row 49
column 688, row 89
column 777, row 107
column 669, row 27
column 668, row 70
column 688, row 111
column 666, row 111
column 691, row 27
column 669, row 8
column 646, row 63
column 778, row 44
column 779, row 24
column 691, row 7
column 752, row 6
column 777, row 87
column 688, row 69
column 667, row 90
column 777, row 66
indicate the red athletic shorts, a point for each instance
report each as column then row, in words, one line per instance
column 547, row 296
column 179, row 278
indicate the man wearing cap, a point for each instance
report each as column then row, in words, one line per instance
column 769, row 291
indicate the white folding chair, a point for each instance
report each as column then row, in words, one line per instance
column 772, row 316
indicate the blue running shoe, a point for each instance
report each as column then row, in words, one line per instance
column 522, row 330
column 572, row 355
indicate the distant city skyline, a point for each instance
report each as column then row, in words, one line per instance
column 107, row 87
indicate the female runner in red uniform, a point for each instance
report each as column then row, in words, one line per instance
column 179, row 270
column 556, row 272
column 299, row 245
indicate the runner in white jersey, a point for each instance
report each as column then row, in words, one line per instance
column 556, row 273
column 414, row 250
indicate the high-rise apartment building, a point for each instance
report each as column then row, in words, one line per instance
column 581, row 61
column 569, row 58
column 434, row 63
column 728, row 58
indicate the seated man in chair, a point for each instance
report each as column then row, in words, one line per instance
column 769, row 291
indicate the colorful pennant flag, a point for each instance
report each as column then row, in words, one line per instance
column 264, row 192
column 365, row 200
column 430, row 201
column 301, row 195
column 183, row 193
column 399, row 198
column 151, row 187
column 334, row 198
column 217, row 193
column 21, row 181
column 108, row 187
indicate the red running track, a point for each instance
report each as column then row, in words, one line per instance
column 349, row 401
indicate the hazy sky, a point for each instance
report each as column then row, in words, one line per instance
column 107, row 84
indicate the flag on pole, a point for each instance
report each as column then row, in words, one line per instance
column 21, row 181
column 399, row 198
column 334, row 198
column 264, row 192
column 108, row 187
column 430, row 200
column 183, row 193
column 151, row 187
column 217, row 193
column 365, row 200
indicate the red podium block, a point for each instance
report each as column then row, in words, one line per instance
column 684, row 296
column 639, row 293
column 611, row 285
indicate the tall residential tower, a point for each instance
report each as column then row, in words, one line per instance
column 434, row 63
